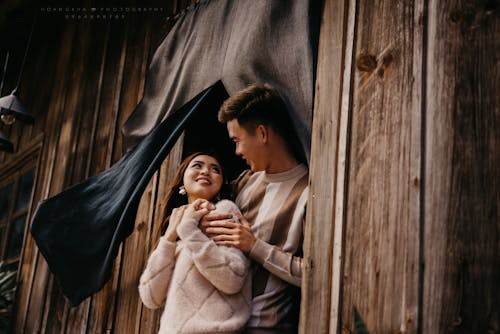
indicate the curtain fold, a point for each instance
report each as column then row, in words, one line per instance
column 230, row 42
column 239, row 42
column 79, row 230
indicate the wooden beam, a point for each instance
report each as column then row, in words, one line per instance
column 462, row 159
column 325, row 171
column 382, row 228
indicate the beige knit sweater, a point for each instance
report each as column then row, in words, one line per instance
column 205, row 288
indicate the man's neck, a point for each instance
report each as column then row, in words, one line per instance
column 281, row 163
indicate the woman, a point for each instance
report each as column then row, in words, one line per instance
column 205, row 288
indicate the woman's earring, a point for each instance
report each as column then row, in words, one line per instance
column 182, row 190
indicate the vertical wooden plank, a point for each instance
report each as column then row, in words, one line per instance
column 128, row 302
column 57, row 310
column 44, row 65
column 41, row 279
column 127, row 299
column 380, row 274
column 462, row 162
column 320, row 223
column 102, row 303
column 77, row 317
column 342, row 168
column 150, row 319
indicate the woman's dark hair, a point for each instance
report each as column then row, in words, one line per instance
column 174, row 200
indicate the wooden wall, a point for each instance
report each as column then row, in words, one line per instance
column 403, row 215
column 407, row 231
column 83, row 78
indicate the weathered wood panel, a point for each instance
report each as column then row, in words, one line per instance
column 380, row 274
column 462, row 245
column 326, row 172
column 133, row 253
column 41, row 279
column 365, row 231
column 96, row 72
column 57, row 317
column 76, row 320
column 150, row 319
column 39, row 104
column 102, row 306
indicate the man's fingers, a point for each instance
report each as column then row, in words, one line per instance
column 224, row 237
column 225, row 243
column 220, row 231
column 221, row 216
column 242, row 219
column 219, row 223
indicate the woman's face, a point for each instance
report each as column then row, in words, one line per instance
column 202, row 178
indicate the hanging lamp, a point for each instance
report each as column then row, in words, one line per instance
column 11, row 107
column 5, row 144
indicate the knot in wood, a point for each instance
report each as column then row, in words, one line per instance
column 366, row 63
column 140, row 226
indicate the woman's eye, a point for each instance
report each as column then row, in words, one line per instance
column 216, row 170
column 196, row 164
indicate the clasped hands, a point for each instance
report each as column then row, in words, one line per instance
column 221, row 228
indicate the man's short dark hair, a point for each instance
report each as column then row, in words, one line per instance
column 261, row 104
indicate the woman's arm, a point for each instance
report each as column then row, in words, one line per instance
column 224, row 267
column 155, row 279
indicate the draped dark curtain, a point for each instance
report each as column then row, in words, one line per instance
column 79, row 231
column 230, row 42
column 238, row 42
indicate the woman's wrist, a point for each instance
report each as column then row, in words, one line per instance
column 171, row 235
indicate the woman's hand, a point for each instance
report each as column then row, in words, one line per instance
column 198, row 209
column 174, row 221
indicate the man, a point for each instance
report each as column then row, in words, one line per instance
column 272, row 197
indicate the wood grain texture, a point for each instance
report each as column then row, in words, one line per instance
column 380, row 274
column 462, row 264
column 320, row 220
column 41, row 279
column 102, row 306
column 97, row 72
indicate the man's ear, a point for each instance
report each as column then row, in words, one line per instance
column 262, row 133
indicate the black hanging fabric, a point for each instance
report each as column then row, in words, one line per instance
column 235, row 41
column 80, row 230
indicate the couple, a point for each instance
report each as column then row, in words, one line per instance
column 234, row 266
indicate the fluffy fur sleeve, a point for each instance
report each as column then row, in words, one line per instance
column 225, row 267
column 155, row 279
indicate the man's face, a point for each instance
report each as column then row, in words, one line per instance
column 248, row 146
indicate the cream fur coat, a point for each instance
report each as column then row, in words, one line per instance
column 205, row 288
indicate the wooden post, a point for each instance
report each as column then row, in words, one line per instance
column 320, row 295
column 382, row 227
column 462, row 159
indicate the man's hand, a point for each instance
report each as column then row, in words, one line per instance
column 225, row 232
